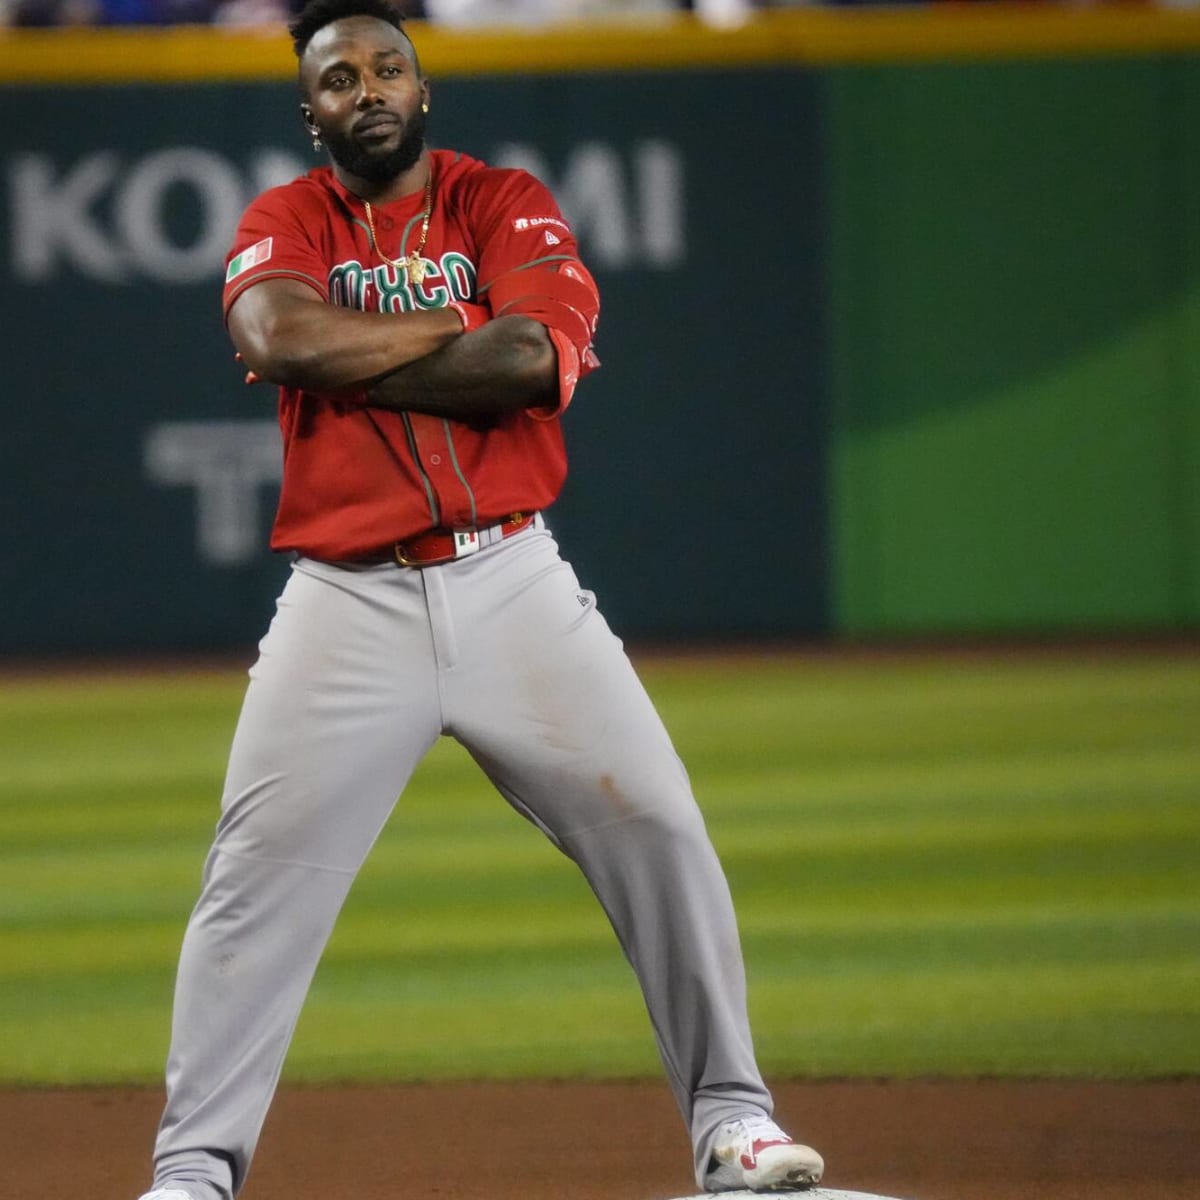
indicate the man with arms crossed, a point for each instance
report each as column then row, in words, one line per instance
column 427, row 319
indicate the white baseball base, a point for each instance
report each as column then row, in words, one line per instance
column 817, row 1193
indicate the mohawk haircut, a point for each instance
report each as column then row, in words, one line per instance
column 316, row 14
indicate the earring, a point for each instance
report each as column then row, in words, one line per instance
column 424, row 108
column 316, row 140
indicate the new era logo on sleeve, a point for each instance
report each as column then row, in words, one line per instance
column 258, row 253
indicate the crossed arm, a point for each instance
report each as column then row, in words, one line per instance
column 419, row 361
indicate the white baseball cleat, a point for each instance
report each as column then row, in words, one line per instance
column 754, row 1154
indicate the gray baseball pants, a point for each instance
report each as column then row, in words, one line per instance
column 362, row 669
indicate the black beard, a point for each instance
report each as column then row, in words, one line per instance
column 362, row 163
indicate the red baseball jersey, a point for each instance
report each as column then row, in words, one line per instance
column 356, row 479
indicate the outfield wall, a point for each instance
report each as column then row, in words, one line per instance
column 899, row 332
column 1015, row 289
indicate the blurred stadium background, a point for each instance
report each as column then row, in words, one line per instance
column 901, row 352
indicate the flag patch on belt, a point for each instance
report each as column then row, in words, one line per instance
column 465, row 542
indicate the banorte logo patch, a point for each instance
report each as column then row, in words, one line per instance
column 521, row 224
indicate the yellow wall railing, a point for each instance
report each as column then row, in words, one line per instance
column 799, row 37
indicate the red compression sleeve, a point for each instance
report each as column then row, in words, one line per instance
column 563, row 297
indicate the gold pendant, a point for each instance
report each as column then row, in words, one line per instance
column 415, row 266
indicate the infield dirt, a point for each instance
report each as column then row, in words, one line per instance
column 926, row 1140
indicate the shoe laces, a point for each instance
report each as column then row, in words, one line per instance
column 761, row 1129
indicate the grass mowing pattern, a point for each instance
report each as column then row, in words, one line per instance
column 947, row 865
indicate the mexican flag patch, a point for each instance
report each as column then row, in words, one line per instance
column 258, row 253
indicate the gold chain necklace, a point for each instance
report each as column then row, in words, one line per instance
column 414, row 263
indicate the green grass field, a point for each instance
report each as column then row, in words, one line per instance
column 949, row 865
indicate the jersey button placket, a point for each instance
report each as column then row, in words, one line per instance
column 437, row 458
